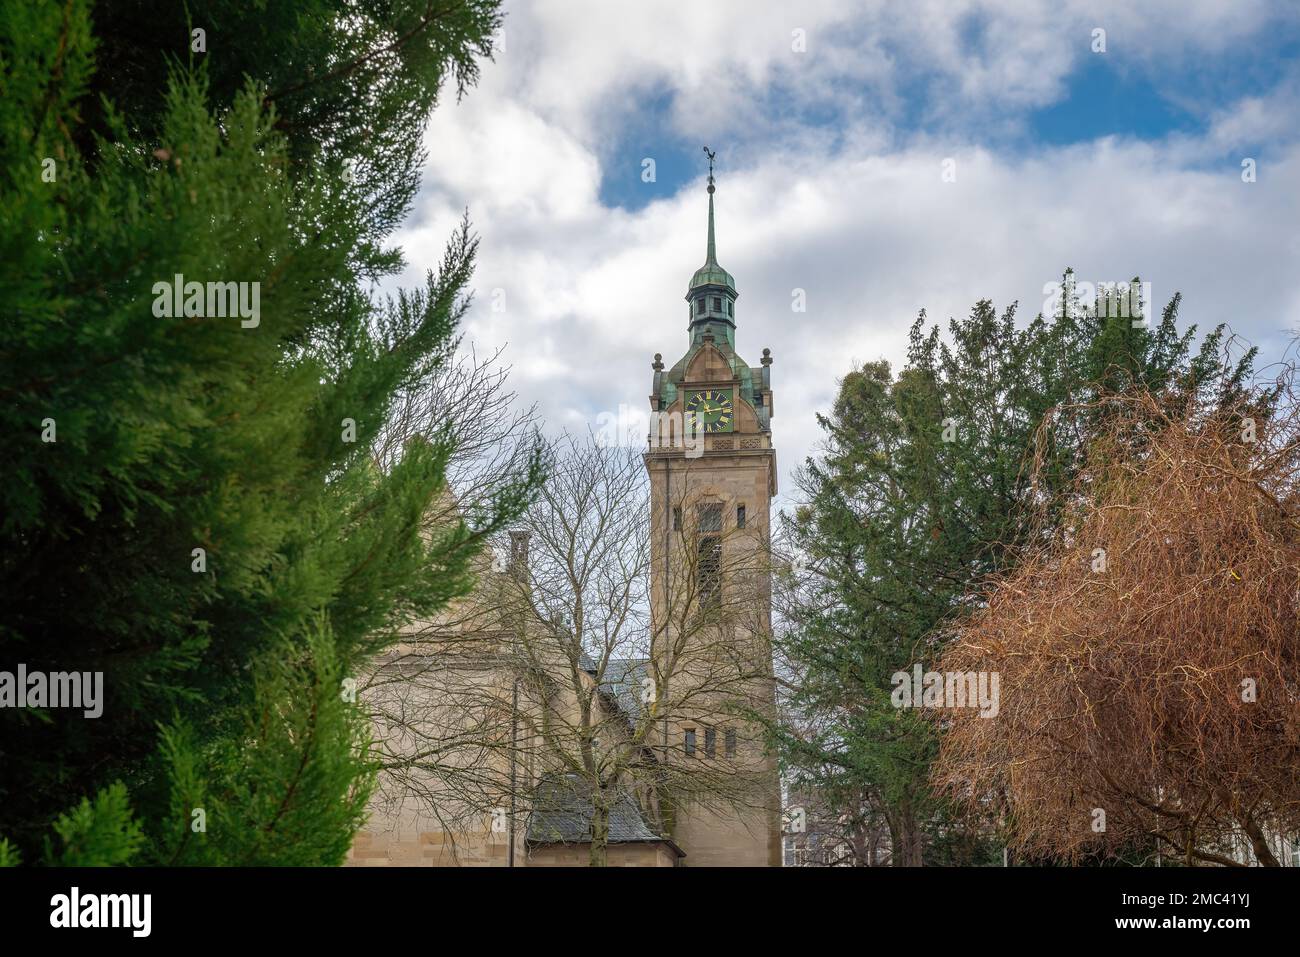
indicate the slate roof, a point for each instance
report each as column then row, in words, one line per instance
column 623, row 678
column 562, row 812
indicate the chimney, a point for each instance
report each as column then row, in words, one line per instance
column 519, row 552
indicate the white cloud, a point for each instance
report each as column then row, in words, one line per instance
column 863, row 221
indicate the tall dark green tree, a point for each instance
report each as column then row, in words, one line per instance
column 920, row 493
column 190, row 504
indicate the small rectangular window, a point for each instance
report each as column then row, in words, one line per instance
column 677, row 520
column 729, row 740
column 710, row 742
column 690, row 742
column 729, row 307
column 717, row 303
column 740, row 516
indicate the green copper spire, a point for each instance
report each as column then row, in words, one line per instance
column 712, row 254
column 711, row 274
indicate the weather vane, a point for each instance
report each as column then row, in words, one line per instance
column 710, row 154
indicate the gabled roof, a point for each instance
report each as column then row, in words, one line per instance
column 673, row 379
column 562, row 813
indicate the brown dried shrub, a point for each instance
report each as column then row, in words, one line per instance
column 1127, row 690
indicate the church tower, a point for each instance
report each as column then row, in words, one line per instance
column 713, row 475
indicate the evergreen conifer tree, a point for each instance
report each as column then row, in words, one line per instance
column 194, row 203
column 920, row 493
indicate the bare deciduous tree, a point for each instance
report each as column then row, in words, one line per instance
column 1148, row 650
column 435, row 759
column 556, row 675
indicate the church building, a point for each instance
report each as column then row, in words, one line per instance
column 478, row 775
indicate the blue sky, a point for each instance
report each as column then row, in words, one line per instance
column 1118, row 93
column 831, row 123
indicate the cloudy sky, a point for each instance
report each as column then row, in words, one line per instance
column 832, row 122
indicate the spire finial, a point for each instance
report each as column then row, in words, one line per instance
column 707, row 309
column 712, row 255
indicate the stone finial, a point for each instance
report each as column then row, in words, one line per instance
column 767, row 357
column 658, row 364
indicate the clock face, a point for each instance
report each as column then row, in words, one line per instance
column 712, row 409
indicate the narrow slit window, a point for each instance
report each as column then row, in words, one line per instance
column 690, row 742
column 729, row 742
column 710, row 742
column 710, row 571
column 677, row 520
column 709, row 558
column 740, row 516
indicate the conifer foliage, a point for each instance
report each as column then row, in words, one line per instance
column 920, row 493
column 194, row 200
